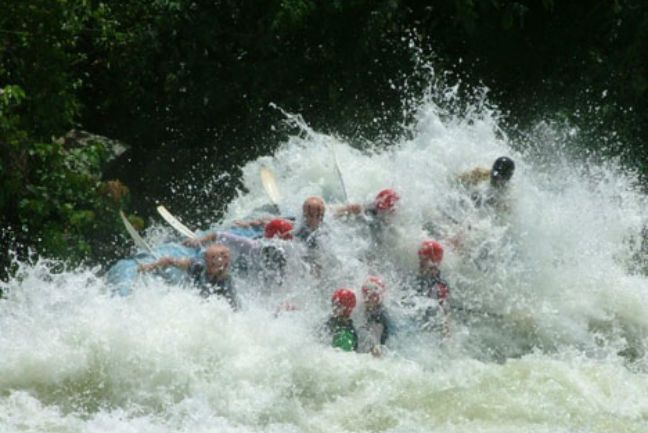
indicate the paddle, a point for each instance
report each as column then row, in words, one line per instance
column 137, row 239
column 339, row 172
column 269, row 185
column 175, row 223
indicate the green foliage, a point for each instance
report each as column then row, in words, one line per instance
column 37, row 46
column 51, row 197
column 293, row 14
column 10, row 97
column 10, row 94
column 58, row 202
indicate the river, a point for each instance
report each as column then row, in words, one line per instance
column 548, row 334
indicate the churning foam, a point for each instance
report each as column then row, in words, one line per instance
column 550, row 334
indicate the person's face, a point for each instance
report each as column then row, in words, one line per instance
column 338, row 309
column 387, row 217
column 313, row 212
column 371, row 300
column 217, row 259
column 428, row 266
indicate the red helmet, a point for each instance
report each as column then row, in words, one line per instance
column 345, row 298
column 279, row 228
column 431, row 250
column 373, row 288
column 386, row 200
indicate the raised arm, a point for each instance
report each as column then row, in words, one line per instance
column 164, row 262
column 474, row 176
column 241, row 244
column 259, row 222
column 196, row 242
column 349, row 209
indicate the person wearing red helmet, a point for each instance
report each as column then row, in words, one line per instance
column 429, row 284
column 308, row 231
column 265, row 258
column 384, row 204
column 313, row 211
column 430, row 255
column 376, row 329
column 278, row 228
column 339, row 327
column 385, row 201
column 378, row 214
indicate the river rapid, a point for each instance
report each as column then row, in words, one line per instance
column 548, row 332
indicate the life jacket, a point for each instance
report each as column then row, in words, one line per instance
column 343, row 333
column 221, row 287
column 308, row 237
column 433, row 287
column 379, row 316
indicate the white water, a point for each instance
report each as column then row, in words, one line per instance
column 552, row 311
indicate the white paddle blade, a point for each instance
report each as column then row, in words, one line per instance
column 175, row 223
column 137, row 239
column 339, row 173
column 269, row 184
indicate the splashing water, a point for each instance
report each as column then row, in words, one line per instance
column 549, row 333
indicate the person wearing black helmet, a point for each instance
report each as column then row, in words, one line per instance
column 490, row 195
column 487, row 195
column 502, row 171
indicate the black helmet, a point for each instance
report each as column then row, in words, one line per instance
column 502, row 170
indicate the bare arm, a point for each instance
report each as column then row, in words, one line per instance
column 164, row 262
column 241, row 244
column 196, row 242
column 259, row 222
column 474, row 176
column 349, row 209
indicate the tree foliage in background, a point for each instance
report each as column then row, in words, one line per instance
column 52, row 199
column 582, row 62
column 184, row 81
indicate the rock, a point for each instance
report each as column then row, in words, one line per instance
column 78, row 138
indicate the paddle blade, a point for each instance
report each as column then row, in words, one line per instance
column 175, row 223
column 137, row 239
column 339, row 173
column 269, row 184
